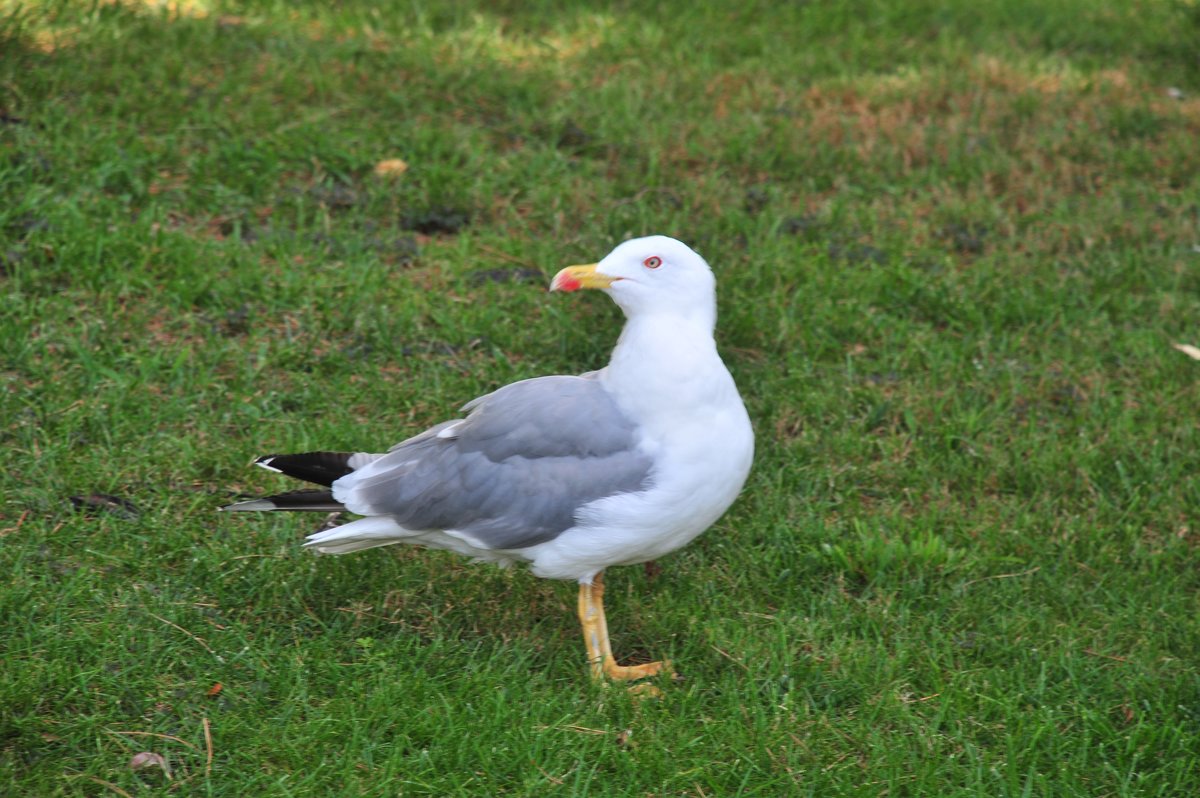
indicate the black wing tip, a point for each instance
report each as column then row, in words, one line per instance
column 320, row 468
column 307, row 500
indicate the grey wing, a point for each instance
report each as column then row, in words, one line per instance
column 512, row 473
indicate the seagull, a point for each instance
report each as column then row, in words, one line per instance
column 569, row 474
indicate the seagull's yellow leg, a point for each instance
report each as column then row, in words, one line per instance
column 595, row 634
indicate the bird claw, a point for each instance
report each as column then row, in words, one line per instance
column 629, row 673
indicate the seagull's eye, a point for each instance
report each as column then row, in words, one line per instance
column 652, row 262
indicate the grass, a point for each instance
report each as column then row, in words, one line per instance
column 955, row 244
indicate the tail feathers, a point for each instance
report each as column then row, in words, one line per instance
column 320, row 468
column 365, row 533
column 303, row 500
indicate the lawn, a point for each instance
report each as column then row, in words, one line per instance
column 956, row 245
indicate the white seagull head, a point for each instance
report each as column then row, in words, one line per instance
column 651, row 275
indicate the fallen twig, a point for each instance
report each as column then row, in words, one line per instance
column 495, row 253
column 730, row 657
column 153, row 734
column 574, row 728
column 1105, row 656
column 206, row 646
column 208, row 748
column 542, row 770
column 107, row 784
column 13, row 529
column 1032, row 570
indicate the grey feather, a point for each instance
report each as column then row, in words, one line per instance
column 514, row 472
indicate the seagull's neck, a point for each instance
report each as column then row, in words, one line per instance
column 666, row 356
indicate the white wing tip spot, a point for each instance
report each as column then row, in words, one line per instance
column 449, row 432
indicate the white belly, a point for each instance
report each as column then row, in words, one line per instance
column 698, row 474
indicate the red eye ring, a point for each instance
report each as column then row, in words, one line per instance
column 652, row 262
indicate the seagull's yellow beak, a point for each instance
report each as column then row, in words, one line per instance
column 573, row 278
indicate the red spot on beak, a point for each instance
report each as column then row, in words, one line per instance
column 564, row 281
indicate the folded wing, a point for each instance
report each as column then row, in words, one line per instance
column 511, row 474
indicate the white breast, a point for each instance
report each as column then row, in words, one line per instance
column 696, row 429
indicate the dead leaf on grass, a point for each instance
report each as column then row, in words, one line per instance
column 391, row 167
column 149, row 759
column 102, row 503
column 1189, row 350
